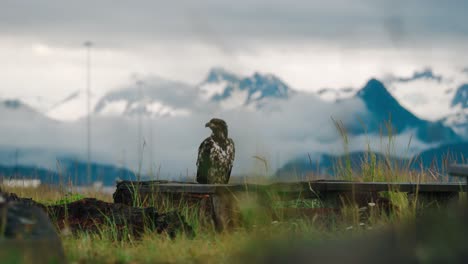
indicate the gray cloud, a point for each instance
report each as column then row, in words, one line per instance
column 310, row 44
column 233, row 23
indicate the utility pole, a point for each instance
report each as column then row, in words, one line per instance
column 139, row 84
column 15, row 175
column 150, row 123
column 88, row 45
column 124, row 164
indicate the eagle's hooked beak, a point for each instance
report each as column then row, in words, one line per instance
column 207, row 124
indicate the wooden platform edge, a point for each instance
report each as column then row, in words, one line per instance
column 296, row 187
column 458, row 170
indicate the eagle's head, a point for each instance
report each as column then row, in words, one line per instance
column 219, row 127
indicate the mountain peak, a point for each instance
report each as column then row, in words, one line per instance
column 461, row 96
column 12, row 103
column 265, row 85
column 374, row 89
column 16, row 109
column 266, row 78
column 218, row 74
column 385, row 108
column 380, row 102
column 426, row 73
column 223, row 86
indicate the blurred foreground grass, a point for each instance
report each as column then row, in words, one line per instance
column 410, row 234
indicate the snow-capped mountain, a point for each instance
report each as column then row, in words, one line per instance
column 72, row 107
column 458, row 119
column 221, row 89
column 434, row 97
column 461, row 97
column 15, row 111
column 426, row 94
column 153, row 97
column 232, row 91
column 384, row 108
column 215, row 84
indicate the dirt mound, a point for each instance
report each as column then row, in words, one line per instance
column 98, row 216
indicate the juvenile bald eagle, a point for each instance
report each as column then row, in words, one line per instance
column 215, row 155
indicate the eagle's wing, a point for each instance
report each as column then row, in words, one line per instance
column 204, row 161
column 232, row 154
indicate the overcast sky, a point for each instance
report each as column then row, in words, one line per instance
column 309, row 44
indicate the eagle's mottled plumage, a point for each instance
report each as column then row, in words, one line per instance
column 215, row 155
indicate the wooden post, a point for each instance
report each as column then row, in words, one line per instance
column 225, row 211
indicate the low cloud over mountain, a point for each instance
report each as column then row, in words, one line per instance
column 266, row 118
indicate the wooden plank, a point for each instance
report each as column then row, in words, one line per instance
column 297, row 187
column 458, row 170
column 367, row 187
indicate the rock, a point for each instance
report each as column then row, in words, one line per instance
column 12, row 197
column 26, row 233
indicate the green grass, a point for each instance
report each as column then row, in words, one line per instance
column 69, row 198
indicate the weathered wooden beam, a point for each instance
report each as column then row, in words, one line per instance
column 297, row 187
column 323, row 187
column 224, row 211
column 458, row 170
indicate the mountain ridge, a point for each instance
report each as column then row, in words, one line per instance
column 221, row 85
column 385, row 109
column 283, row 118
